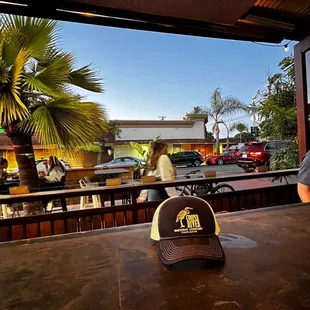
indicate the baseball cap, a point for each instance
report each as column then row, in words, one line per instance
column 186, row 228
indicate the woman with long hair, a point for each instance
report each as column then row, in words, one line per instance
column 160, row 166
column 54, row 170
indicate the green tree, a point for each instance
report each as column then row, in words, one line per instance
column 244, row 136
column 241, row 128
column 37, row 97
column 210, row 135
column 220, row 108
column 113, row 130
column 276, row 109
column 196, row 112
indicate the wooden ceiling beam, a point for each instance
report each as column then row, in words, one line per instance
column 148, row 22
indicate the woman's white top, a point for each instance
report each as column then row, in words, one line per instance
column 55, row 175
column 163, row 171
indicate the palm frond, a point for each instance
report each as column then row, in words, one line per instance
column 36, row 34
column 4, row 74
column 65, row 122
column 10, row 110
column 16, row 75
column 138, row 147
column 86, row 78
column 53, row 78
column 50, row 55
column 216, row 99
column 9, row 50
column 231, row 105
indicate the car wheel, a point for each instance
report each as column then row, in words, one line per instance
column 197, row 163
column 220, row 162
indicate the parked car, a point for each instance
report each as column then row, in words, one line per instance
column 229, row 157
column 124, row 161
column 257, row 154
column 41, row 167
column 188, row 158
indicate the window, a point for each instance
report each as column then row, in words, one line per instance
column 280, row 145
column 118, row 160
column 270, row 146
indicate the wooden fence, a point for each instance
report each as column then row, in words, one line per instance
column 132, row 213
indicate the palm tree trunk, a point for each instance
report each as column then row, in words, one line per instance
column 240, row 137
column 27, row 168
column 217, row 138
column 227, row 143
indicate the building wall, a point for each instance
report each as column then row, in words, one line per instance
column 197, row 131
column 204, row 149
column 127, row 150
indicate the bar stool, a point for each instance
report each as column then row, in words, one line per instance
column 85, row 183
column 13, row 209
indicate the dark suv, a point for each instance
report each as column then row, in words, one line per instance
column 189, row 158
column 257, row 154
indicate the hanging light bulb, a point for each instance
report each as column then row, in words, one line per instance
column 286, row 47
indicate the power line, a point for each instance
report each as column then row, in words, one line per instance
column 234, row 119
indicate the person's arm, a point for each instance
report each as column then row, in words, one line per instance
column 303, row 179
column 165, row 168
column 303, row 192
column 166, row 174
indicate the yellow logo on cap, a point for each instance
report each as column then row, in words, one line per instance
column 192, row 221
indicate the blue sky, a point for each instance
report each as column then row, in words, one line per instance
column 148, row 74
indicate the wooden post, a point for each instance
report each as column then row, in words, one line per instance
column 301, row 96
column 134, row 197
column 174, row 171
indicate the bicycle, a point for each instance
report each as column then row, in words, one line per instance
column 203, row 189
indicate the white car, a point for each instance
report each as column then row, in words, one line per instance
column 123, row 161
column 41, row 166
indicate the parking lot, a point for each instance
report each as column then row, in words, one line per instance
column 220, row 170
column 229, row 170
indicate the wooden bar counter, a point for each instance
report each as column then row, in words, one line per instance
column 267, row 267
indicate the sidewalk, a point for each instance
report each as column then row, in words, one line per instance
column 259, row 183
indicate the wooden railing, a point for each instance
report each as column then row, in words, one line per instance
column 133, row 212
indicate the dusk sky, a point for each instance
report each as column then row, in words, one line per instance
column 149, row 74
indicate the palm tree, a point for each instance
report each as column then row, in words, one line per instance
column 241, row 128
column 37, row 97
column 219, row 108
column 229, row 129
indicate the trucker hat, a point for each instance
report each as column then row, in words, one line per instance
column 186, row 228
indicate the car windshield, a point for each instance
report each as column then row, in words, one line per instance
column 247, row 147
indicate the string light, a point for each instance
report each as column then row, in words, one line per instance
column 285, row 46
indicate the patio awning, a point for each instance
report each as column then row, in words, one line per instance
column 250, row 20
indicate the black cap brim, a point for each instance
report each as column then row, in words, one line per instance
column 174, row 250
